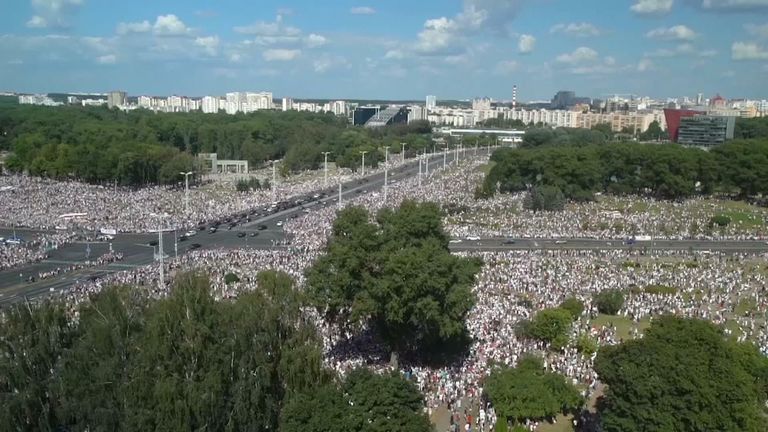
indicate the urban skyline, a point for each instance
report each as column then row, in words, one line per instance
column 456, row 49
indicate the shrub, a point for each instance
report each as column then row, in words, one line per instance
column 609, row 302
column 574, row 306
column 719, row 220
column 660, row 290
column 586, row 345
column 231, row 278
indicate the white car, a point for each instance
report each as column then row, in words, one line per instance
column 279, row 223
column 454, row 241
column 561, row 242
column 190, row 233
column 473, row 238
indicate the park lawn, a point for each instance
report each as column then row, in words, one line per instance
column 733, row 326
column 564, row 424
column 744, row 306
column 623, row 325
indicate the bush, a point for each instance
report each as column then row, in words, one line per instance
column 660, row 290
column 574, row 306
column 609, row 302
column 586, row 345
column 546, row 198
column 551, row 325
column 231, row 278
column 501, row 426
column 242, row 185
column 719, row 220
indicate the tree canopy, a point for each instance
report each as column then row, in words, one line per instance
column 682, row 376
column 528, row 392
column 96, row 144
column 185, row 362
column 396, row 276
column 666, row 171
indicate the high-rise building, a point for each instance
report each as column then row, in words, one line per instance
column 674, row 117
column 287, row 104
column 481, row 104
column 339, row 108
column 431, row 102
column 115, row 99
column 145, row 102
column 210, row 104
column 705, row 130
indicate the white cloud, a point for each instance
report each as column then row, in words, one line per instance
column 394, row 54
column 576, row 29
column 506, row 67
column 37, row 22
column 136, row 27
column 748, row 51
column 170, row 25
column 107, row 59
column 730, row 5
column 315, row 40
column 652, row 7
column 579, row 55
column 362, row 10
column 683, row 49
column 326, row 63
column 678, row 32
column 209, row 43
column 235, row 57
column 645, row 65
column 53, row 13
column 263, row 28
column 526, row 44
column 757, row 30
column 281, row 54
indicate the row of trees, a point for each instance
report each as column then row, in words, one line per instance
column 187, row 362
column 139, row 147
column 664, row 171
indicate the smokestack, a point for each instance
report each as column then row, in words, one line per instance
column 514, row 96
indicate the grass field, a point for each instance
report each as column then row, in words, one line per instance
column 623, row 325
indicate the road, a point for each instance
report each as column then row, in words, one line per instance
column 138, row 251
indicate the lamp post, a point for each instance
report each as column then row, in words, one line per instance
column 325, row 169
column 186, row 190
column 362, row 163
column 403, row 151
column 385, row 183
column 386, row 155
column 419, row 157
column 274, row 181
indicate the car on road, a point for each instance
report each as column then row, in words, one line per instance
column 212, row 230
column 454, row 241
column 194, row 246
column 254, row 233
column 190, row 233
column 262, row 227
column 473, row 238
column 508, row 242
column 279, row 223
column 152, row 243
column 183, row 237
column 560, row 242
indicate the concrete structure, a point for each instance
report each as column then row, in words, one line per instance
column 705, row 130
column 393, row 114
column 287, row 104
column 481, row 104
column 363, row 113
column 416, row 112
column 210, row 104
column 506, row 135
column 674, row 116
column 116, row 99
column 210, row 163
column 431, row 102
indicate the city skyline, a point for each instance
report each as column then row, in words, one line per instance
column 369, row 50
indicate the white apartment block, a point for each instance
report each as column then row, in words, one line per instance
column 37, row 99
column 287, row 104
column 481, row 104
column 431, row 102
column 210, row 104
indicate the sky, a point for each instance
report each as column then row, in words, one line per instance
column 393, row 49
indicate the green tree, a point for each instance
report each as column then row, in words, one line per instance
column 609, row 302
column 683, row 375
column 574, row 306
column 551, row 326
column 544, row 198
column 528, row 392
column 396, row 275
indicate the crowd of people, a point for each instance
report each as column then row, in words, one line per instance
column 512, row 287
column 27, row 251
column 108, row 258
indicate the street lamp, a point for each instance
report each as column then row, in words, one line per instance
column 362, row 163
column 186, row 190
column 325, row 178
column 386, row 155
column 403, row 151
column 274, row 182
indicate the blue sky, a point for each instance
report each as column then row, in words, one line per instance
column 393, row 49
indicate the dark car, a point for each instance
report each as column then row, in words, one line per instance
column 508, row 242
column 183, row 238
column 152, row 243
column 194, row 246
column 241, row 234
column 262, row 227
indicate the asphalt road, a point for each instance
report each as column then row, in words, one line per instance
column 137, row 249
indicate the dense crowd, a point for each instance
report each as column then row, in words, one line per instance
column 512, row 286
column 31, row 250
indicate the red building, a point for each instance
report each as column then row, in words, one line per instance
column 673, row 117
